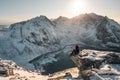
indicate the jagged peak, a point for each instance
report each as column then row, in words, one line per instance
column 39, row 18
column 84, row 17
column 61, row 18
column 93, row 14
column 87, row 15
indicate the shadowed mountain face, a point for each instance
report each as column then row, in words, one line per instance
column 94, row 31
column 29, row 39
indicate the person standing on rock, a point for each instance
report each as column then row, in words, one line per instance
column 75, row 51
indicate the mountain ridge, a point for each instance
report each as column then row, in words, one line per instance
column 37, row 36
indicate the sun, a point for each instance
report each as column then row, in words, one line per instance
column 78, row 7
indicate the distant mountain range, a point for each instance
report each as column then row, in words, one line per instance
column 26, row 40
column 3, row 26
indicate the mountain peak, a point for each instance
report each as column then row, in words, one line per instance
column 61, row 18
column 92, row 14
column 39, row 18
column 42, row 17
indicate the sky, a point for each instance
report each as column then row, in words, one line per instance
column 12, row 11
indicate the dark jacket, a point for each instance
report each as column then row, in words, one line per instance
column 77, row 50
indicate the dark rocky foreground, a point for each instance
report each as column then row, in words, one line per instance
column 95, row 65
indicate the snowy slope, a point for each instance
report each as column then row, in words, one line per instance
column 28, row 39
column 20, row 73
column 101, row 65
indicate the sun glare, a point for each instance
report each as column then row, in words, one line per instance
column 78, row 7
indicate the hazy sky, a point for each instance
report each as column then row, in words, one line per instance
column 17, row 10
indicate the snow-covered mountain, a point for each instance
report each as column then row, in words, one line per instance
column 28, row 39
column 90, row 29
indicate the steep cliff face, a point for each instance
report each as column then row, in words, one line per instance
column 26, row 40
column 108, row 33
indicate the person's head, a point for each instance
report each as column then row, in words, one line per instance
column 76, row 45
